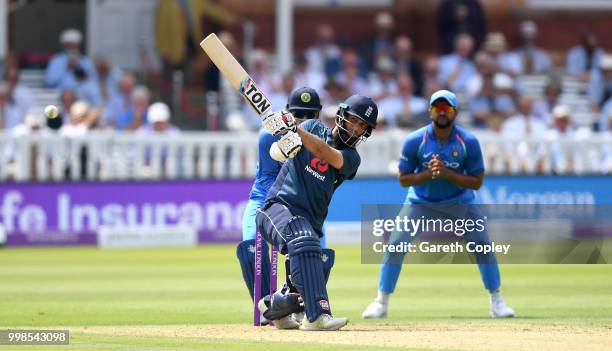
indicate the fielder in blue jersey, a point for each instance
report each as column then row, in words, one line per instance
column 304, row 104
column 441, row 164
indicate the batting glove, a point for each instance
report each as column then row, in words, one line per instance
column 286, row 147
column 279, row 122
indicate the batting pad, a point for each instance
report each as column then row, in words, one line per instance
column 307, row 268
column 246, row 256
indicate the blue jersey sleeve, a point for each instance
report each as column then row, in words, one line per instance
column 309, row 125
column 408, row 158
column 474, row 162
column 268, row 167
column 351, row 162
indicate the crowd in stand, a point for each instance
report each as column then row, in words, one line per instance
column 93, row 94
column 481, row 68
column 488, row 81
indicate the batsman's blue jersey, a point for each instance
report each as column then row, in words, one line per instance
column 267, row 168
column 461, row 153
column 306, row 183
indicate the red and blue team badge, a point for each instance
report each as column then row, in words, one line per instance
column 319, row 165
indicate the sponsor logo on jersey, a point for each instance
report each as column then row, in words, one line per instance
column 314, row 173
column 446, row 164
column 455, row 153
column 317, row 165
column 254, row 96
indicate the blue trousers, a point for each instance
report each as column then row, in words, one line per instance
column 392, row 263
column 248, row 221
column 294, row 235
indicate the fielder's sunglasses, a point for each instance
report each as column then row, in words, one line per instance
column 442, row 108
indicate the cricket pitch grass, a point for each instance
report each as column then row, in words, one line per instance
column 195, row 299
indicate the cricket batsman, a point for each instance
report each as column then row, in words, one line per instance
column 441, row 163
column 319, row 159
column 304, row 104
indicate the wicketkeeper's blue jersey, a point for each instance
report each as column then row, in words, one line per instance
column 267, row 168
column 461, row 153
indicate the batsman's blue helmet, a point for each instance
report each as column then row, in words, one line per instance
column 361, row 107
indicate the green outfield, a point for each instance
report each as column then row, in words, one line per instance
column 194, row 299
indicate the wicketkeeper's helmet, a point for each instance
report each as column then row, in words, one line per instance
column 304, row 103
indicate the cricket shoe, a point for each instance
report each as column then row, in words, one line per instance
column 287, row 322
column 299, row 316
column 263, row 321
column 325, row 322
column 499, row 309
column 375, row 309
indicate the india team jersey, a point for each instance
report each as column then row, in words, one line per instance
column 461, row 153
column 306, row 183
column 267, row 168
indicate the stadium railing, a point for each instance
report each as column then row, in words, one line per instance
column 101, row 156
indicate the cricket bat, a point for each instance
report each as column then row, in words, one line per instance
column 231, row 69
